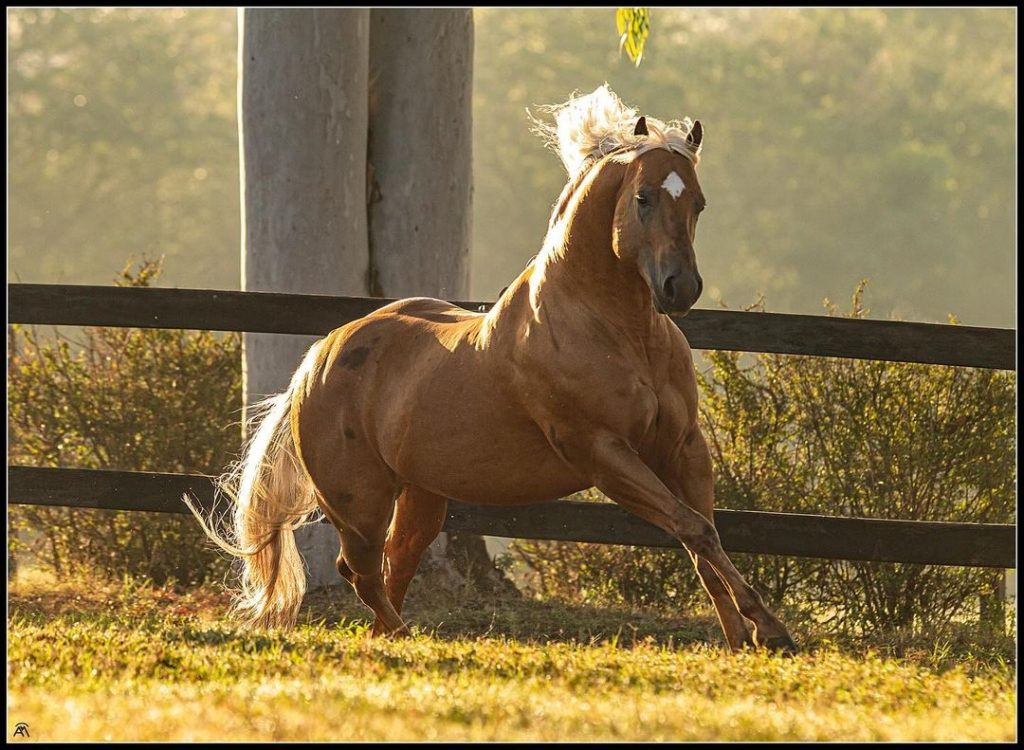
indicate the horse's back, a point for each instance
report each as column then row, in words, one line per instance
column 425, row 308
column 405, row 325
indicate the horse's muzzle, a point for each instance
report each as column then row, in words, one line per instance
column 678, row 293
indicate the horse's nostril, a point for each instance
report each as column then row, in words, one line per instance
column 669, row 287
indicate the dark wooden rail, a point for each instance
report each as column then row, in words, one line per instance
column 982, row 545
column 264, row 312
column 794, row 534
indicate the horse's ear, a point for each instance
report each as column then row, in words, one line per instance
column 641, row 127
column 696, row 135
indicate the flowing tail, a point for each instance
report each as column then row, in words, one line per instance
column 273, row 496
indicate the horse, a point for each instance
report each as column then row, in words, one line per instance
column 576, row 377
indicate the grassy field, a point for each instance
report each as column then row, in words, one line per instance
column 131, row 662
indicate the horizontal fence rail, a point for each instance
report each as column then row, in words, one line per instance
column 791, row 534
column 265, row 312
column 936, row 543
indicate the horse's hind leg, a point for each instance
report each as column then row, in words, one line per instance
column 358, row 497
column 419, row 516
column 364, row 556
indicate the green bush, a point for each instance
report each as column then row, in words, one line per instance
column 831, row 437
column 128, row 399
column 793, row 434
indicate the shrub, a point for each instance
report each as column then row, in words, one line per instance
column 129, row 399
column 832, row 437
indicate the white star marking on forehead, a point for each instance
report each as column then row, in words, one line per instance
column 674, row 185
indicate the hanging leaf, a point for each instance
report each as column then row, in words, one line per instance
column 633, row 25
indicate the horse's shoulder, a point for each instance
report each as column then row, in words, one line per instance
column 675, row 336
column 675, row 365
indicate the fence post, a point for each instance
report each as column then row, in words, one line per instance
column 993, row 601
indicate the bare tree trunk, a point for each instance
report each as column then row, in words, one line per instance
column 357, row 179
column 421, row 186
column 302, row 121
column 420, row 151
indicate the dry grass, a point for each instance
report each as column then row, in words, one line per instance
column 130, row 662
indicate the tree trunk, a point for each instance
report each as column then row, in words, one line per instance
column 357, row 179
column 993, row 601
column 418, row 146
column 420, row 190
column 302, row 121
column 420, row 151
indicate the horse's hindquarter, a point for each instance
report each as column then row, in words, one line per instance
column 438, row 412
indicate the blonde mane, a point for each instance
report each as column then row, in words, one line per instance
column 599, row 123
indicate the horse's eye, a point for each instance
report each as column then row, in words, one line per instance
column 641, row 199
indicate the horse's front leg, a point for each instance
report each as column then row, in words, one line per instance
column 685, row 467
column 617, row 470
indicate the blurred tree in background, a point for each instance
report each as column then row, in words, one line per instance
column 841, row 143
column 830, row 437
column 123, row 141
column 127, row 399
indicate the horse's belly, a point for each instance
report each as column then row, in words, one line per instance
column 441, row 416
column 504, row 483
column 483, row 452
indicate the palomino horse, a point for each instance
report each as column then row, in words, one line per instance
column 575, row 378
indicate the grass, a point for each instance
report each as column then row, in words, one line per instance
column 90, row 661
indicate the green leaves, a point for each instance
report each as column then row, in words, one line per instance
column 123, row 398
column 116, row 114
column 835, row 437
column 633, row 25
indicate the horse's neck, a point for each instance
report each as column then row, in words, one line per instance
column 578, row 274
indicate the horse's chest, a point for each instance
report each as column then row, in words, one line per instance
column 595, row 398
column 633, row 409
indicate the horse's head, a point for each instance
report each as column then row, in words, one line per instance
column 655, row 222
column 658, row 197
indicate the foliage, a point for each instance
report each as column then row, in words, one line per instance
column 123, row 141
column 839, row 144
column 831, row 437
column 129, row 399
column 633, row 25
column 607, row 575
column 82, row 658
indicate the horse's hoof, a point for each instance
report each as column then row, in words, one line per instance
column 379, row 630
column 782, row 644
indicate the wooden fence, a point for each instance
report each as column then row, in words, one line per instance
column 939, row 543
